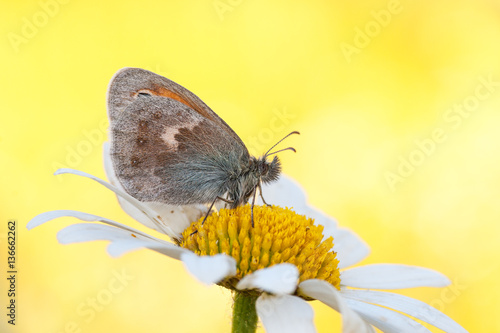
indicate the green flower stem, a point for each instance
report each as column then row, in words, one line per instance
column 244, row 313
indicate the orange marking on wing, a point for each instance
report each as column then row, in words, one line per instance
column 162, row 91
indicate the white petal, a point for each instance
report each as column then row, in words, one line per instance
column 349, row 247
column 326, row 293
column 47, row 216
column 329, row 223
column 119, row 248
column 410, row 306
column 119, row 234
column 392, row 276
column 122, row 239
column 285, row 192
column 86, row 232
column 285, row 314
column 154, row 217
column 178, row 218
column 384, row 319
column 209, row 269
column 278, row 279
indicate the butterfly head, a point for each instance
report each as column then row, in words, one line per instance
column 259, row 171
column 267, row 171
column 270, row 171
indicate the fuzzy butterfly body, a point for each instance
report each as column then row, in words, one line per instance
column 167, row 146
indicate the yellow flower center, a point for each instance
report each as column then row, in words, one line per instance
column 279, row 235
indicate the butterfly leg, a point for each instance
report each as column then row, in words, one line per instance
column 210, row 209
column 253, row 204
column 212, row 205
column 262, row 197
column 225, row 200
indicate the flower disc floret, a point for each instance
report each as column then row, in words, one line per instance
column 279, row 236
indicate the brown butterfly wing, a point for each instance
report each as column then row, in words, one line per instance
column 129, row 82
column 163, row 150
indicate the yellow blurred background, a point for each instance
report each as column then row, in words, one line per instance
column 397, row 103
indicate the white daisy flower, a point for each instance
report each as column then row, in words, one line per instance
column 273, row 268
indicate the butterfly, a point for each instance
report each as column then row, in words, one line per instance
column 167, row 146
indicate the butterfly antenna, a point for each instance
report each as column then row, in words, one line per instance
column 277, row 143
column 279, row 151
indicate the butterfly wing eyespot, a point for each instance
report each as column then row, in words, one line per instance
column 142, row 93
